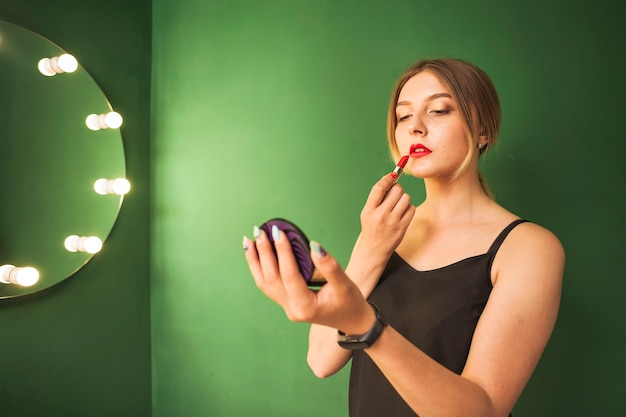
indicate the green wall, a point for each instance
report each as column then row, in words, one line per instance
column 82, row 347
column 277, row 108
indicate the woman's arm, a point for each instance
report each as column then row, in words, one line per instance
column 325, row 357
column 509, row 339
column 384, row 220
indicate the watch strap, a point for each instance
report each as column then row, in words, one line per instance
column 365, row 340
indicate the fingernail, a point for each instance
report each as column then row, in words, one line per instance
column 276, row 233
column 393, row 175
column 317, row 249
column 256, row 232
column 246, row 244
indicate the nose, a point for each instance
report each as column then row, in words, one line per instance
column 416, row 127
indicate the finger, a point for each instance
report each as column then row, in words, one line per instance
column 379, row 191
column 252, row 258
column 293, row 281
column 407, row 217
column 267, row 257
column 410, row 208
column 393, row 196
column 263, row 266
column 402, row 204
column 326, row 264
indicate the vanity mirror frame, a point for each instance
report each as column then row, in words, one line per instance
column 51, row 160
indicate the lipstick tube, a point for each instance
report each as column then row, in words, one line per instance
column 399, row 169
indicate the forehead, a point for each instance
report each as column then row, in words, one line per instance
column 421, row 86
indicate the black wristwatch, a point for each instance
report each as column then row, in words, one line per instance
column 365, row 340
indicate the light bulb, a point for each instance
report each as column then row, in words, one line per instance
column 71, row 243
column 110, row 120
column 45, row 68
column 119, row 186
column 92, row 244
column 23, row 276
column 101, row 186
column 57, row 65
column 113, row 120
column 92, row 122
column 67, row 63
column 88, row 244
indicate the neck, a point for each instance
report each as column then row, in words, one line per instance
column 461, row 200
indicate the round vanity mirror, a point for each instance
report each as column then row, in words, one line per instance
column 53, row 219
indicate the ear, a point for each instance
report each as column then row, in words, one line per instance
column 483, row 139
column 482, row 142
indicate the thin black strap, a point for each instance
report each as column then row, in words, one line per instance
column 503, row 234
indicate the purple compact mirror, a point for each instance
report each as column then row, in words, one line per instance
column 300, row 246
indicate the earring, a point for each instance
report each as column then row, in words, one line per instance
column 481, row 147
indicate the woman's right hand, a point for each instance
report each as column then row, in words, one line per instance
column 385, row 219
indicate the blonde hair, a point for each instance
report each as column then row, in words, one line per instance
column 474, row 93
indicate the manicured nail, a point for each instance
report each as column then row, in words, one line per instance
column 246, row 243
column 276, row 233
column 317, row 249
column 256, row 232
column 393, row 175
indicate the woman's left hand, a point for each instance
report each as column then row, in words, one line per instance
column 338, row 304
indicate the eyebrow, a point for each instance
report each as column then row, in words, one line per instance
column 430, row 98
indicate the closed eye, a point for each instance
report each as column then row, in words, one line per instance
column 403, row 118
column 443, row 111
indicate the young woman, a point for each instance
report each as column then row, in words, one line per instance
column 444, row 308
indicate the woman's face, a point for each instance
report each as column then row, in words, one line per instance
column 430, row 128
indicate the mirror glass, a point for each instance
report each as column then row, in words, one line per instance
column 50, row 161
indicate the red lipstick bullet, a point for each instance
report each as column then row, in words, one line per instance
column 397, row 171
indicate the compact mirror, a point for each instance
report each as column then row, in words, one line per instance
column 50, row 162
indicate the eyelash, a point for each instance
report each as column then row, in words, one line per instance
column 436, row 112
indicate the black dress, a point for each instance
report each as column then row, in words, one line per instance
column 436, row 310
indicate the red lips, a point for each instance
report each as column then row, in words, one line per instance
column 417, row 150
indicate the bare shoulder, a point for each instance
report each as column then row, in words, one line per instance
column 532, row 237
column 530, row 247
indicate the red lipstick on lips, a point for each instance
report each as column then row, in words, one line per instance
column 397, row 171
column 418, row 150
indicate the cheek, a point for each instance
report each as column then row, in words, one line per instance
column 455, row 146
column 401, row 139
column 456, row 135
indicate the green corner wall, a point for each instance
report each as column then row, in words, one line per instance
column 277, row 108
column 82, row 347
